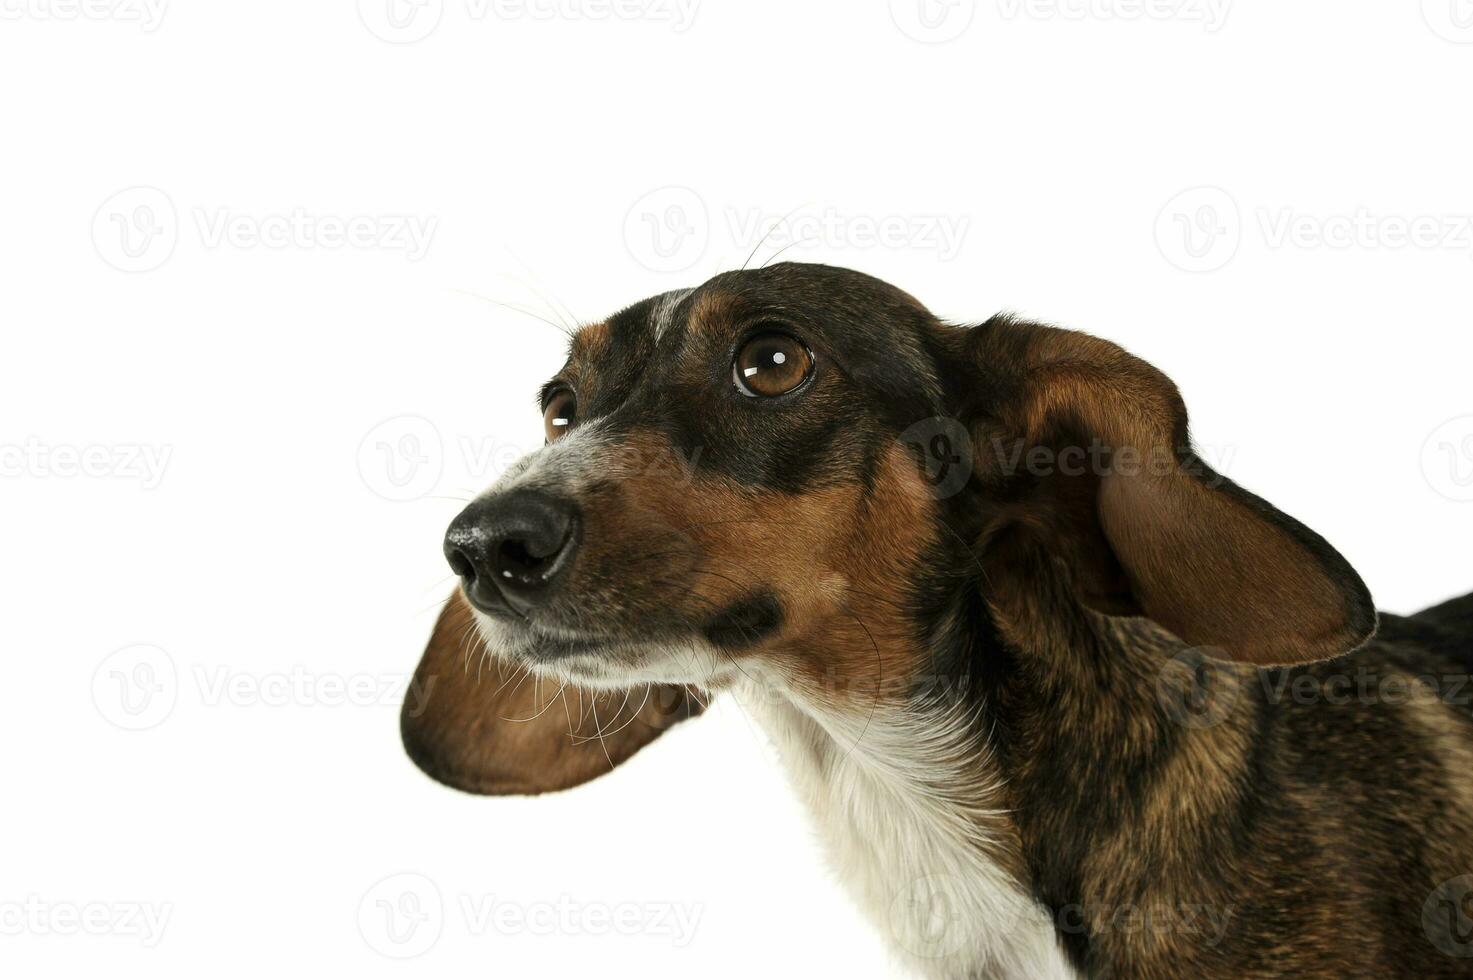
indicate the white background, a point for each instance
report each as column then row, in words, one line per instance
column 272, row 561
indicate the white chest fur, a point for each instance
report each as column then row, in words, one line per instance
column 906, row 833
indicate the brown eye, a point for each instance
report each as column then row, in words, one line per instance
column 772, row 364
column 560, row 414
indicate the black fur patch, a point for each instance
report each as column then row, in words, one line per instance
column 745, row 623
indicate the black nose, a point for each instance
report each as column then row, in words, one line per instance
column 510, row 549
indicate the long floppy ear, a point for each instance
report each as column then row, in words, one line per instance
column 1086, row 450
column 486, row 726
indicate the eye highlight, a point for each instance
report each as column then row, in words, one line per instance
column 560, row 414
column 771, row 364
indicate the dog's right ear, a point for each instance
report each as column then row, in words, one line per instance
column 481, row 724
column 1083, row 457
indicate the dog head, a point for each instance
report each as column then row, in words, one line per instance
column 799, row 472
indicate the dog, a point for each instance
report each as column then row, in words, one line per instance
column 1062, row 700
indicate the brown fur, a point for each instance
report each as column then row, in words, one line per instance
column 487, row 726
column 1181, row 534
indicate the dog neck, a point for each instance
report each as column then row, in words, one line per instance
column 966, row 817
column 918, row 840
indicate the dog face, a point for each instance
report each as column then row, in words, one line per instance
column 798, row 471
column 722, row 469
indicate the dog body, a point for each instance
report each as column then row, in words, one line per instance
column 1262, row 833
column 1063, row 701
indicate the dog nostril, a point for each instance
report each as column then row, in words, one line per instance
column 461, row 565
column 523, row 563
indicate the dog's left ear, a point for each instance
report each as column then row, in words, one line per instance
column 1083, row 453
column 483, row 725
